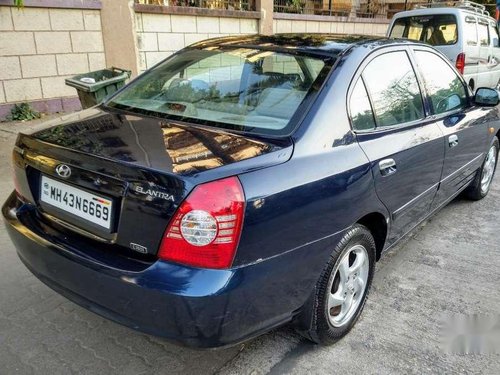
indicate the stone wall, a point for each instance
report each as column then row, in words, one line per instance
column 160, row 35
column 39, row 48
column 50, row 40
column 290, row 23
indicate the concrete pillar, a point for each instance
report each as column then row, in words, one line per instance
column 118, row 33
column 354, row 8
column 266, row 21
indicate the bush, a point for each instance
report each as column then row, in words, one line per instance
column 23, row 112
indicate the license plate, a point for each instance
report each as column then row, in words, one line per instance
column 78, row 202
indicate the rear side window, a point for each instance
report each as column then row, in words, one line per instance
column 482, row 31
column 470, row 31
column 494, row 34
column 437, row 30
column 361, row 110
column 393, row 89
column 444, row 87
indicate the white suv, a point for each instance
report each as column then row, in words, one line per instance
column 464, row 32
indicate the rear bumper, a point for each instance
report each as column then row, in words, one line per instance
column 194, row 307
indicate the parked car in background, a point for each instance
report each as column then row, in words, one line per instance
column 466, row 34
column 249, row 182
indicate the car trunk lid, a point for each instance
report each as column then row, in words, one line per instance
column 145, row 166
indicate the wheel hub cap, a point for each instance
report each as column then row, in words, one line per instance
column 347, row 285
column 488, row 169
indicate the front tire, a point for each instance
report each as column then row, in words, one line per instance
column 343, row 287
column 481, row 184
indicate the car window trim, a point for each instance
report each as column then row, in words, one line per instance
column 461, row 78
column 404, row 126
column 359, row 73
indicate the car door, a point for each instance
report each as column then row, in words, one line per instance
column 404, row 146
column 463, row 125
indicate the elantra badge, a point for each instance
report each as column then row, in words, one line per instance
column 154, row 193
column 63, row 170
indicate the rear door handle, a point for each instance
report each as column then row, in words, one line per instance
column 387, row 167
column 453, row 140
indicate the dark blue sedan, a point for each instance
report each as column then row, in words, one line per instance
column 245, row 183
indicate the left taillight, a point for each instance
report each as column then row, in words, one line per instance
column 206, row 228
column 460, row 62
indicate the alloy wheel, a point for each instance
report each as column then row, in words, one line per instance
column 488, row 169
column 347, row 285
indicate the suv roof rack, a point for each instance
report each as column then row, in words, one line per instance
column 463, row 4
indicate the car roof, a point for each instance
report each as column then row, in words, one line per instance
column 328, row 45
column 443, row 10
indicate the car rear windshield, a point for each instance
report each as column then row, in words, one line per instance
column 244, row 89
column 437, row 30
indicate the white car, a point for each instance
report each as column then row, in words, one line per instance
column 465, row 33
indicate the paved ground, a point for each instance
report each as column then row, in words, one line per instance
column 449, row 266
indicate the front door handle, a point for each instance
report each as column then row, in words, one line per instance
column 387, row 167
column 453, row 140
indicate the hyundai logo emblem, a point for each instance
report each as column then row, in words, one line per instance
column 63, row 170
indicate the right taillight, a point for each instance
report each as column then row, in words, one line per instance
column 460, row 62
column 206, row 228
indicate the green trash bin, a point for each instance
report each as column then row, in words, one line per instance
column 94, row 87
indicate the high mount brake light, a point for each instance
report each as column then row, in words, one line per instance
column 206, row 228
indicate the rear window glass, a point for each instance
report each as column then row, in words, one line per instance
column 244, row 89
column 437, row 30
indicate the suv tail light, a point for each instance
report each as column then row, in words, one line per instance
column 460, row 63
column 206, row 228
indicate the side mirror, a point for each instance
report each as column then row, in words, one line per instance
column 486, row 97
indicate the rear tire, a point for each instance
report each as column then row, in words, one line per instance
column 481, row 184
column 343, row 287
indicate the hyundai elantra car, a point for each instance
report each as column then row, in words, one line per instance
column 249, row 182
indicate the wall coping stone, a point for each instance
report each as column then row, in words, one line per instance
column 63, row 4
column 193, row 11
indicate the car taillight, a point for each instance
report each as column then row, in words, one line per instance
column 460, row 63
column 206, row 228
